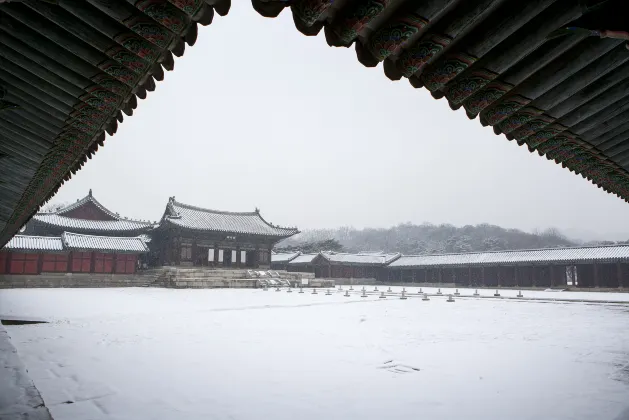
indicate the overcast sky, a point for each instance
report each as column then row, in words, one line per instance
column 258, row 115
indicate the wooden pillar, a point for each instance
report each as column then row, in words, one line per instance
column 92, row 263
column 515, row 276
column 8, row 262
column 619, row 275
column 596, row 280
column 482, row 276
column 40, row 262
column 114, row 262
column 414, row 275
column 194, row 251
column 552, row 276
column 439, row 275
column 499, row 275
column 534, row 276
column 469, row 275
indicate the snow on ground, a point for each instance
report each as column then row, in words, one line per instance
column 156, row 354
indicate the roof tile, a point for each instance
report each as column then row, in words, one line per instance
column 197, row 218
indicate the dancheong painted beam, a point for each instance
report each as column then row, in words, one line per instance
column 550, row 74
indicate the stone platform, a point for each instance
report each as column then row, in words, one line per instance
column 210, row 278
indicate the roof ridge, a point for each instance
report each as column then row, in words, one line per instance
column 98, row 236
column 119, row 219
column 517, row 250
column 35, row 236
column 191, row 207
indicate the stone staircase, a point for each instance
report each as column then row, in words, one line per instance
column 208, row 278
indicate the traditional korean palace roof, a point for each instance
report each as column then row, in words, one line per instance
column 360, row 258
column 550, row 74
column 197, row 218
column 534, row 256
column 284, row 257
column 34, row 243
column 62, row 219
column 70, row 69
column 84, row 224
column 76, row 242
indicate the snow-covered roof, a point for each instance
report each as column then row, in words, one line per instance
column 75, row 241
column 197, row 218
column 530, row 256
column 59, row 219
column 34, row 243
column 89, row 198
column 284, row 257
column 369, row 258
column 72, row 223
column 303, row 259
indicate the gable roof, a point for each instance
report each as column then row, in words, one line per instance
column 75, row 241
column 58, row 219
column 197, row 218
column 528, row 256
column 89, row 198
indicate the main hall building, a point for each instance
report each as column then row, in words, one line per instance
column 87, row 237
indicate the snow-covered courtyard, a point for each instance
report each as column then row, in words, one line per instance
column 141, row 353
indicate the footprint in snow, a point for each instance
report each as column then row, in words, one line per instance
column 396, row 367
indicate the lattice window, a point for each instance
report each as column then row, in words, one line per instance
column 186, row 252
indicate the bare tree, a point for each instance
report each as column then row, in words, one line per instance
column 53, row 207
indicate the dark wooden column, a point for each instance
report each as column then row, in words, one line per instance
column 238, row 261
column 619, row 275
column 552, row 276
column 596, row 280
column 482, row 276
column 8, row 262
column 40, row 262
column 256, row 258
column 194, row 251
column 515, row 276
column 533, row 276
column 215, row 262
column 92, row 265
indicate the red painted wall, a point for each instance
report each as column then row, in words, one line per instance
column 76, row 262
column 55, row 263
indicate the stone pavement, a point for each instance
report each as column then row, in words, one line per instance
column 19, row 399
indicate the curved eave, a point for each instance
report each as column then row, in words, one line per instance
column 566, row 98
column 69, row 72
column 278, row 235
